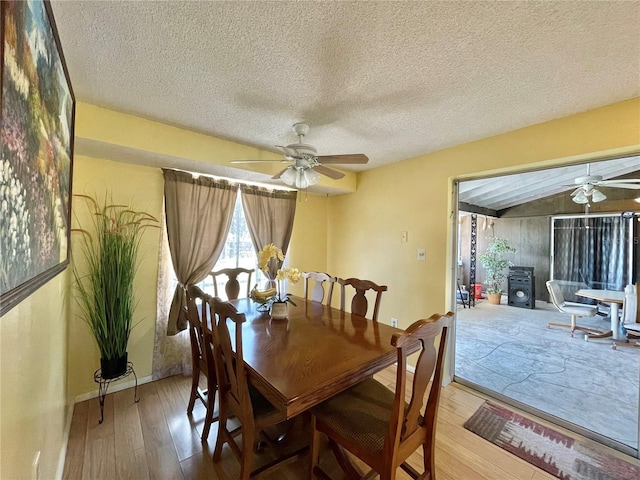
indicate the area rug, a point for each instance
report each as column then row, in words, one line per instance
column 555, row 453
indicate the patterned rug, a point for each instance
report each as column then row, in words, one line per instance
column 548, row 449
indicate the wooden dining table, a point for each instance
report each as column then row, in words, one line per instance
column 317, row 352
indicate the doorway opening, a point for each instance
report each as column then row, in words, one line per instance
column 508, row 351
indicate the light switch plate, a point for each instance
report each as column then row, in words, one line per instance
column 421, row 254
column 404, row 237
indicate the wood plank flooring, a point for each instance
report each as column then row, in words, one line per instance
column 156, row 439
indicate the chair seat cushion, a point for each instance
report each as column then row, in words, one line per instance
column 634, row 327
column 360, row 413
column 580, row 310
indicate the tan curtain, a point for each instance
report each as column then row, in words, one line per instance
column 269, row 217
column 199, row 212
column 171, row 354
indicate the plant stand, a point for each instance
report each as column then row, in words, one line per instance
column 103, row 385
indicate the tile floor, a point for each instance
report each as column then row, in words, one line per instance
column 510, row 350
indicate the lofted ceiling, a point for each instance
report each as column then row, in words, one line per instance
column 506, row 191
column 392, row 80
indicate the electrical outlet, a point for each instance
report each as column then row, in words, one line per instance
column 394, row 322
column 421, row 254
column 35, row 467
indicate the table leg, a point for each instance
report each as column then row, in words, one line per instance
column 614, row 320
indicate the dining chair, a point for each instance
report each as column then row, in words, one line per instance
column 375, row 424
column 317, row 293
column 575, row 310
column 359, row 303
column 201, row 357
column 232, row 286
column 239, row 400
column 630, row 317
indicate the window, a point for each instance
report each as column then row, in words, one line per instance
column 237, row 252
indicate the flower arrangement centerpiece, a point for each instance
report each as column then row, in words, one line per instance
column 270, row 258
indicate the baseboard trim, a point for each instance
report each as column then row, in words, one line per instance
column 113, row 389
column 65, row 441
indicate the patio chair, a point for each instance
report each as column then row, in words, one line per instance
column 573, row 309
column 630, row 318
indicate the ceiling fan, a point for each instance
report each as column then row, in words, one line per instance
column 587, row 190
column 306, row 164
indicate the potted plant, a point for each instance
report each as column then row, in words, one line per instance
column 494, row 263
column 104, row 281
column 278, row 301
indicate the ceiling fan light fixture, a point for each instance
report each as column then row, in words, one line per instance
column 580, row 198
column 289, row 176
column 306, row 177
column 598, row 196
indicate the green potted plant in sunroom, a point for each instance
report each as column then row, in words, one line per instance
column 495, row 263
column 104, row 276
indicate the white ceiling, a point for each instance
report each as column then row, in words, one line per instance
column 392, row 80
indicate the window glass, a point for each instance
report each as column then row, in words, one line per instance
column 237, row 252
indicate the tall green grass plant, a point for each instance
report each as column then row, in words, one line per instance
column 104, row 287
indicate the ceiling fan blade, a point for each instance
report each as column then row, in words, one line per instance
column 254, row 161
column 621, row 180
column 353, row 159
column 289, row 152
column 279, row 174
column 329, row 172
column 632, row 186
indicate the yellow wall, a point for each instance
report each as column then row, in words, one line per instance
column 308, row 248
column 414, row 196
column 33, row 358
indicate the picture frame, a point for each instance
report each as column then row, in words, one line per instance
column 36, row 156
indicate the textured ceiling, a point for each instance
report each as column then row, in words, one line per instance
column 389, row 79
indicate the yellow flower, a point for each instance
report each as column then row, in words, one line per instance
column 293, row 274
column 268, row 253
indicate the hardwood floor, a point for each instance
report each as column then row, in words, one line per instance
column 156, row 439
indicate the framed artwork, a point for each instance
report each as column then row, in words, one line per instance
column 36, row 157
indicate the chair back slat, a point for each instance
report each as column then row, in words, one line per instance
column 359, row 302
column 232, row 286
column 317, row 293
column 232, row 380
column 555, row 293
column 406, row 421
column 197, row 315
column 630, row 305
